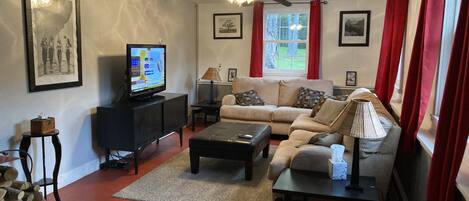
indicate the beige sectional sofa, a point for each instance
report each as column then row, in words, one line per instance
column 279, row 97
column 296, row 153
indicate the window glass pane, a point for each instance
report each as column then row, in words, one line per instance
column 286, row 26
column 285, row 56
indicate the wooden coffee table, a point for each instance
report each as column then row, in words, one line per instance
column 222, row 141
column 318, row 185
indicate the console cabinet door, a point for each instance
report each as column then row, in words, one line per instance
column 175, row 114
column 148, row 123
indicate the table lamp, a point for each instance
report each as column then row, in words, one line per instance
column 212, row 75
column 360, row 121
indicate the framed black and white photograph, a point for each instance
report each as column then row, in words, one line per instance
column 228, row 26
column 232, row 74
column 53, row 44
column 351, row 78
column 354, row 28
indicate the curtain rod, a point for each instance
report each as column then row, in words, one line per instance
column 295, row 2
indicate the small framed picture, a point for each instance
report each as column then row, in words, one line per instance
column 354, row 28
column 228, row 26
column 232, row 74
column 351, row 78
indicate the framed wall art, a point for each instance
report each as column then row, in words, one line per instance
column 351, row 78
column 232, row 74
column 354, row 28
column 228, row 26
column 53, row 44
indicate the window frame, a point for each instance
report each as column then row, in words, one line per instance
column 269, row 9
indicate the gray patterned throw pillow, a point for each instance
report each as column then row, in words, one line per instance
column 248, row 98
column 308, row 98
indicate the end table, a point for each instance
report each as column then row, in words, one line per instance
column 318, row 185
column 24, row 146
column 207, row 109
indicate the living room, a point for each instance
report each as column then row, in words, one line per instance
column 281, row 77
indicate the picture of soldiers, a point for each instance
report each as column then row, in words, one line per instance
column 51, row 52
column 68, row 46
column 44, row 46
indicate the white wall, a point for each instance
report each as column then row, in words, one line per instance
column 230, row 53
column 107, row 25
column 335, row 60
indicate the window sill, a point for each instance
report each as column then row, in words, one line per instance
column 427, row 140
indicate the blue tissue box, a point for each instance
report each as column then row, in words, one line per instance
column 337, row 170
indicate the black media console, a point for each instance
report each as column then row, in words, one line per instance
column 133, row 125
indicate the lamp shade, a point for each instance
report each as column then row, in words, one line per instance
column 359, row 120
column 211, row 74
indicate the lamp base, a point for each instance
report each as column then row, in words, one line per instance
column 352, row 187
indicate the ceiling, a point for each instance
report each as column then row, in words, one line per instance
column 224, row 1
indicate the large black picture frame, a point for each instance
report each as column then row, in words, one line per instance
column 239, row 33
column 365, row 39
column 72, row 47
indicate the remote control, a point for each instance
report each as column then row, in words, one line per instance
column 245, row 136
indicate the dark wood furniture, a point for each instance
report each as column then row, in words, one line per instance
column 206, row 108
column 133, row 125
column 318, row 185
column 222, row 141
column 24, row 146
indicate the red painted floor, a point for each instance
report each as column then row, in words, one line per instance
column 101, row 185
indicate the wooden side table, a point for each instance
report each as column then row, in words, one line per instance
column 318, row 185
column 24, row 146
column 205, row 108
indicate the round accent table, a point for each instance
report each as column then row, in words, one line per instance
column 24, row 146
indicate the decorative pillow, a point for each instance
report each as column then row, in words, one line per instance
column 326, row 139
column 248, row 98
column 318, row 106
column 308, row 98
column 329, row 111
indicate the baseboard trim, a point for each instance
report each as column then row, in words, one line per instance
column 400, row 187
column 77, row 173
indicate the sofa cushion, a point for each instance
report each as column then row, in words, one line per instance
column 288, row 89
column 305, row 122
column 267, row 89
column 253, row 113
column 308, row 98
column 248, row 98
column 288, row 114
column 323, row 99
column 330, row 110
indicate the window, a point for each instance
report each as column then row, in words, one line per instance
column 285, row 42
column 449, row 29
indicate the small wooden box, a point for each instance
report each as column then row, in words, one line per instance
column 43, row 126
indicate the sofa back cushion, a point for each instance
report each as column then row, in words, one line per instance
column 267, row 89
column 288, row 89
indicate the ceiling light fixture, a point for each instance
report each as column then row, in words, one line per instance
column 241, row 2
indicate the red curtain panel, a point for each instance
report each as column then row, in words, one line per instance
column 423, row 63
column 453, row 124
column 391, row 46
column 314, row 39
column 257, row 43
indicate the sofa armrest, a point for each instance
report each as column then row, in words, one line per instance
column 311, row 158
column 229, row 99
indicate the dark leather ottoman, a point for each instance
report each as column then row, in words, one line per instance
column 221, row 141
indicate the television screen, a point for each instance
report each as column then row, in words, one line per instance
column 146, row 69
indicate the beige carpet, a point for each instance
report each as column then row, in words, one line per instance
column 217, row 180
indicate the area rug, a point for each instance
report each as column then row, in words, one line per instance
column 217, row 180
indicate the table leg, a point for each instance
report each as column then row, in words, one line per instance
column 193, row 121
column 181, row 130
column 44, row 165
column 136, row 162
column 58, row 157
column 248, row 170
column 265, row 152
column 194, row 157
column 24, row 146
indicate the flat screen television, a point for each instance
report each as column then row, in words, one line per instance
column 146, row 66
